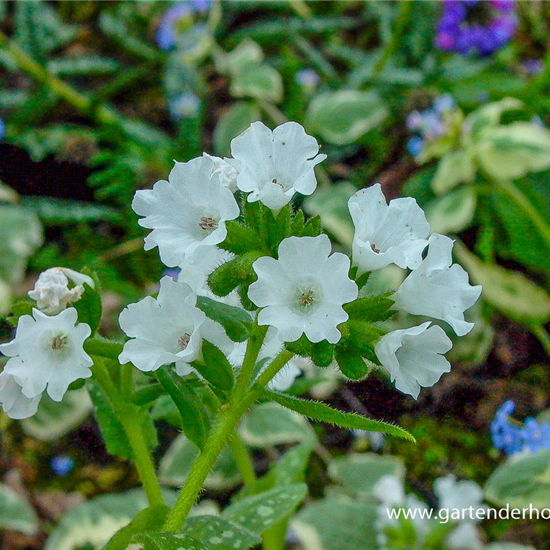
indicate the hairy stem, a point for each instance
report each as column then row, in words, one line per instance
column 222, row 430
column 242, row 458
column 132, row 427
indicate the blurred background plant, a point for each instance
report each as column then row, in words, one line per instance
column 444, row 101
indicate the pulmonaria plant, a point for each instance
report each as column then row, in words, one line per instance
column 260, row 293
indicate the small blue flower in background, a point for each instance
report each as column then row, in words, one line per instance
column 186, row 105
column 62, row 465
column 2, row 129
column 177, row 19
column 511, row 438
column 429, row 124
column 459, row 32
column 533, row 66
column 308, row 79
column 173, row 272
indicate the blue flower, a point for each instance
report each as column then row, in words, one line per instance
column 177, row 19
column 511, row 439
column 186, row 105
column 2, row 129
column 415, row 145
column 308, row 79
column 62, row 465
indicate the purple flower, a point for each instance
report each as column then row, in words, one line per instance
column 459, row 32
column 308, row 79
column 536, row 436
column 177, row 18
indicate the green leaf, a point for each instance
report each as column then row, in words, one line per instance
column 269, row 424
column 343, row 117
column 86, row 65
column 323, row 413
column 220, row 534
column 453, row 212
column 245, row 56
column 507, row 546
column 513, row 151
column 178, row 460
column 166, row 541
column 259, row 512
column 150, row 519
column 352, row 365
column 16, row 514
column 373, row 308
column 259, row 82
column 21, row 236
column 195, row 422
column 234, row 121
column 454, row 168
column 236, row 321
column 489, row 115
column 111, row 428
column 359, row 473
column 331, row 204
column 19, row 309
column 93, row 523
column 508, row 291
column 521, row 481
column 90, row 307
column 215, row 368
column 54, row 420
column 337, row 524
column 240, row 239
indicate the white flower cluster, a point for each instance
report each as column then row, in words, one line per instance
column 299, row 286
column 453, row 497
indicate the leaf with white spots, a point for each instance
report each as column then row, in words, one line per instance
column 220, row 534
column 16, row 514
column 166, row 541
column 259, row 512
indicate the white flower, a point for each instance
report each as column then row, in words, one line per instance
column 465, row 537
column 459, row 495
column 273, row 165
column 384, row 234
column 163, row 330
column 52, row 293
column 439, row 289
column 15, row 404
column 389, row 490
column 228, row 174
column 186, row 213
column 47, row 353
column 303, row 291
column 413, row 357
column 195, row 273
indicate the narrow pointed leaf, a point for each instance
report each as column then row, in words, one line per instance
column 236, row 321
column 215, row 368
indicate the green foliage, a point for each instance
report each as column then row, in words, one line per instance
column 323, row 413
column 236, row 322
column 234, row 121
column 521, row 482
column 166, row 541
column 214, row 367
column 220, row 534
column 16, row 514
column 89, row 307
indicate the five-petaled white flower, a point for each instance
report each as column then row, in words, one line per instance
column 439, row 289
column 413, row 356
column 52, row 293
column 48, row 353
column 384, row 234
column 273, row 165
column 187, row 212
column 304, row 290
column 14, row 403
column 163, row 330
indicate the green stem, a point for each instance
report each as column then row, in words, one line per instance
column 103, row 348
column 543, row 337
column 538, row 220
column 255, row 341
column 242, row 458
column 222, row 430
column 132, row 427
column 401, row 22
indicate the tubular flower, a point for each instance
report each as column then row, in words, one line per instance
column 187, row 212
column 439, row 289
column 274, row 165
column 304, row 290
column 47, row 353
column 14, row 403
column 414, row 356
column 385, row 234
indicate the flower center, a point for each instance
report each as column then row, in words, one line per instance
column 183, row 340
column 306, row 297
column 277, row 182
column 374, row 249
column 59, row 341
column 207, row 223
